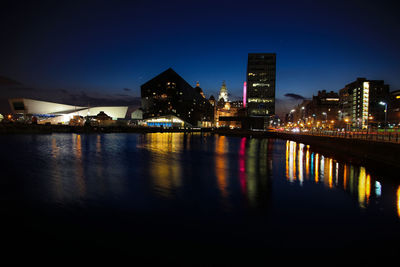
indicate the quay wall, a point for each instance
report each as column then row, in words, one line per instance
column 378, row 155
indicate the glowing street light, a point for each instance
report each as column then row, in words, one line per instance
column 326, row 116
column 384, row 104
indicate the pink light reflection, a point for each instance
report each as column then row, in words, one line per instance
column 242, row 165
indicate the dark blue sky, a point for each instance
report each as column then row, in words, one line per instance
column 106, row 46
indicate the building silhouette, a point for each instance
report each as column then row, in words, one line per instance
column 323, row 109
column 168, row 94
column 261, row 75
column 394, row 108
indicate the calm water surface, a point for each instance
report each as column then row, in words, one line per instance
column 190, row 199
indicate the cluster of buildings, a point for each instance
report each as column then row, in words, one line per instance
column 169, row 101
column 362, row 104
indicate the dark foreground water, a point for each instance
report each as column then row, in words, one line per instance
column 190, row 200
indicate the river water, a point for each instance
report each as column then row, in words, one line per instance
column 190, row 199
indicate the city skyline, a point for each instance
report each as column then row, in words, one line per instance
column 114, row 48
column 193, row 133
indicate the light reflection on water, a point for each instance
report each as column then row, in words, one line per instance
column 90, row 162
column 174, row 191
column 221, row 164
column 165, row 167
column 356, row 180
column 226, row 174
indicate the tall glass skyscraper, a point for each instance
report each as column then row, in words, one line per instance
column 261, row 73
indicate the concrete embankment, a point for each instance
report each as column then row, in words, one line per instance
column 378, row 155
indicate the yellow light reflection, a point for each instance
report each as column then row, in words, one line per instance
column 398, row 201
column 287, row 159
column 79, row 166
column 345, row 177
column 165, row 167
column 351, row 179
column 221, row 164
column 308, row 163
column 368, row 188
column 363, row 188
column 300, row 162
column 291, row 161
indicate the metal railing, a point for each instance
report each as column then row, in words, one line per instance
column 378, row 136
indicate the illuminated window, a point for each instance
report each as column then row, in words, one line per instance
column 260, row 100
column 261, row 85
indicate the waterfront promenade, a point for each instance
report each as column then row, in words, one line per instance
column 374, row 135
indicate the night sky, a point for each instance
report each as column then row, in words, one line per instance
column 110, row 48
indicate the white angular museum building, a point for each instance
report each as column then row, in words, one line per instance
column 56, row 113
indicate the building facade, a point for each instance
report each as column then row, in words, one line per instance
column 227, row 114
column 56, row 113
column 394, row 108
column 260, row 91
column 323, row 109
column 169, row 94
column 361, row 103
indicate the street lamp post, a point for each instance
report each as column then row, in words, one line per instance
column 326, row 118
column 384, row 104
column 347, row 126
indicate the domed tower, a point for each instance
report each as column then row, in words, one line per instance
column 199, row 90
column 212, row 100
column 223, row 92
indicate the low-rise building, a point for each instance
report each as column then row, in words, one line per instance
column 56, row 113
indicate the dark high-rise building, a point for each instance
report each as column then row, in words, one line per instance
column 393, row 115
column 261, row 73
column 169, row 94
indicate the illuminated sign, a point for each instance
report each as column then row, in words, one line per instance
column 244, row 94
